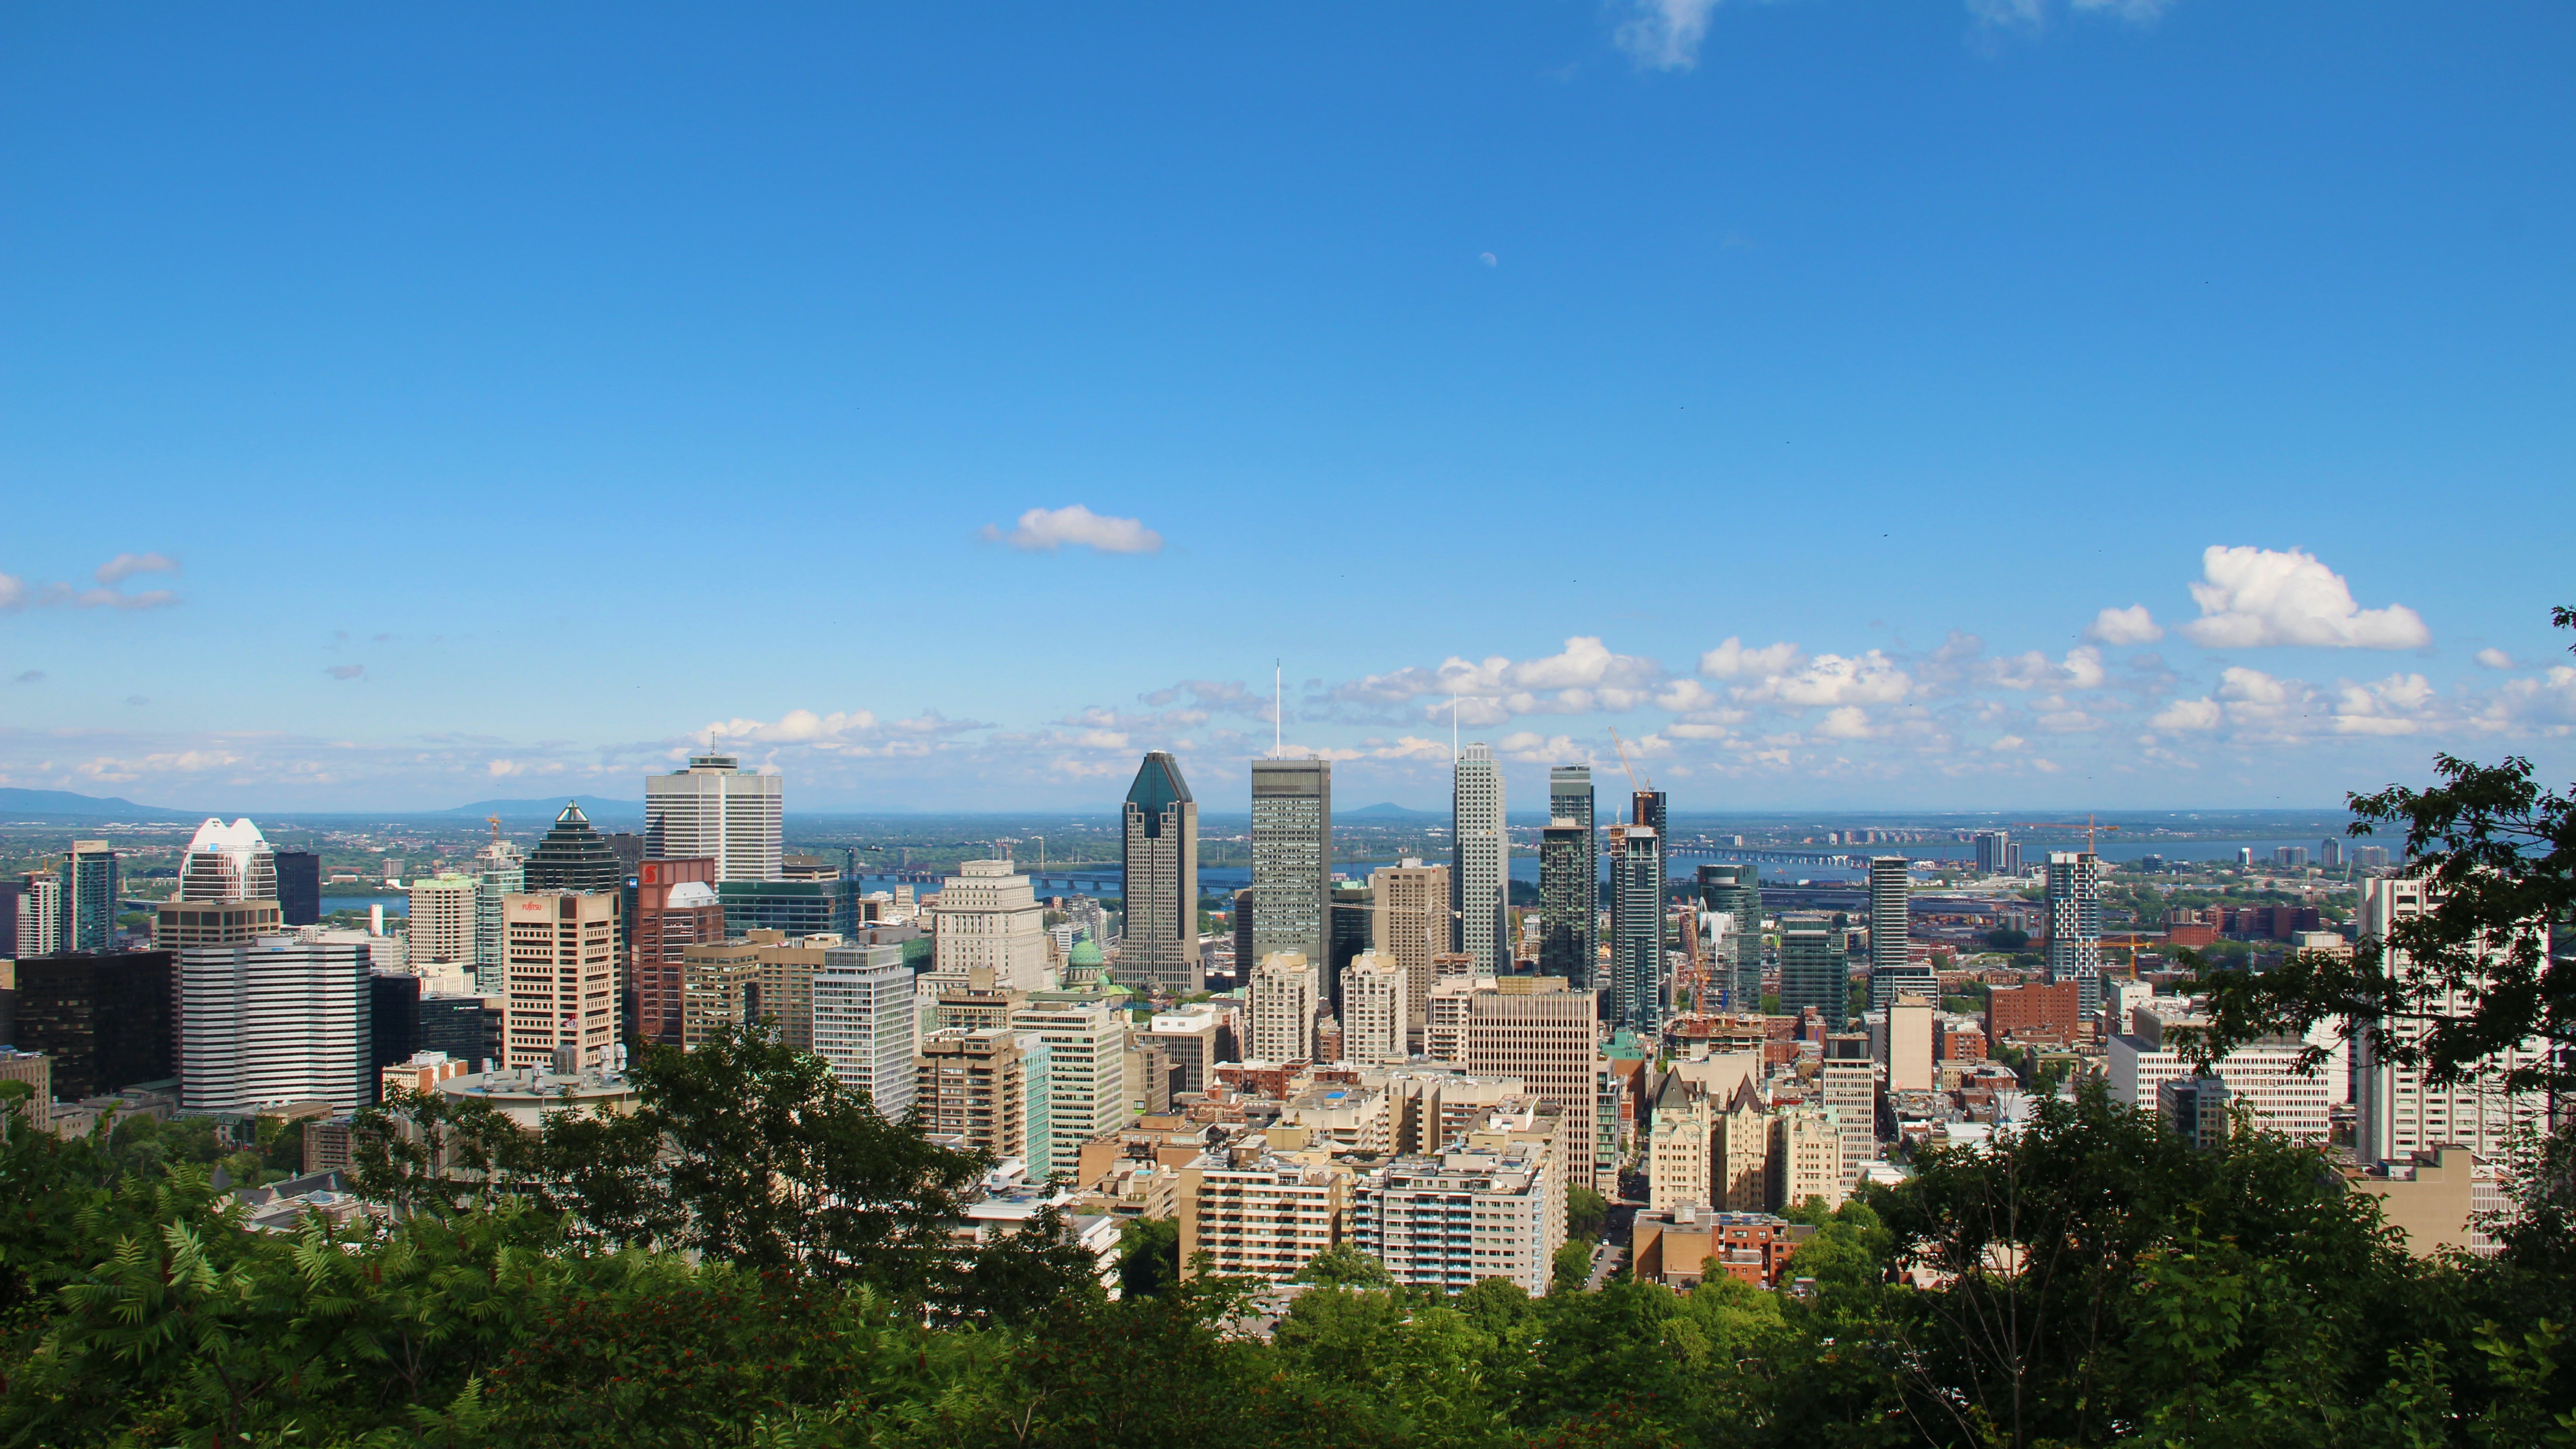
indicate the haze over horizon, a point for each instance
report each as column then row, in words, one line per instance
column 2044, row 406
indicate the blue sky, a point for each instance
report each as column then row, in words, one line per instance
column 491, row 400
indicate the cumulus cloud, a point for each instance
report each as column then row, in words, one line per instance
column 2132, row 625
column 2081, row 669
column 2253, row 597
column 1049, row 529
column 2392, row 706
column 345, row 671
column 1836, row 679
column 13, row 591
column 1848, row 722
column 2190, row 714
column 1665, row 34
column 1586, row 676
column 1731, row 660
column 126, row 565
column 2492, row 658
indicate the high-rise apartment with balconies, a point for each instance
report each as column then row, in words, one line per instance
column 2075, row 925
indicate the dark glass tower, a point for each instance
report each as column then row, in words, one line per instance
column 299, row 887
column 573, row 857
column 104, row 1019
column 1159, row 947
column 1568, row 916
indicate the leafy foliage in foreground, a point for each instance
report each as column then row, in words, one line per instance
column 2093, row 1281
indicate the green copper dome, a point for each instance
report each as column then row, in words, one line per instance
column 1083, row 953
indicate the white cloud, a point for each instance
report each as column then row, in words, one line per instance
column 797, row 726
column 1666, row 34
column 2068, row 721
column 13, row 591
column 1585, row 677
column 2081, row 669
column 2190, row 714
column 126, row 565
column 1049, row 529
column 1835, row 679
column 1849, row 722
column 1732, row 660
column 2005, row 744
column 2132, row 625
column 2492, row 658
column 2253, row 597
column 2391, row 706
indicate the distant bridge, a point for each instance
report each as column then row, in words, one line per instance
column 1760, row 854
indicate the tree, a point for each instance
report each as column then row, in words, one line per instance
column 2007, row 938
column 1149, row 1256
column 1344, row 1266
column 2499, row 852
column 1586, row 1212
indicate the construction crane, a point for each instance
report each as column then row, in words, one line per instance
column 2088, row 825
column 495, row 822
column 1621, row 746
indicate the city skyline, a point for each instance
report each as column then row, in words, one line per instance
column 2004, row 436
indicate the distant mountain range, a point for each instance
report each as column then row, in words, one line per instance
column 16, row 804
column 548, row 807
column 1387, row 810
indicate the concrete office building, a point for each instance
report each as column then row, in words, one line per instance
column 1636, row 927
column 1847, row 1086
column 442, row 925
column 1292, row 860
column 1410, row 924
column 1480, row 857
column 1909, row 1044
column 2075, row 925
column 276, row 1020
column 562, row 978
column 90, row 884
column 712, row 810
column 1569, row 879
column 36, row 909
column 1372, row 1012
column 989, row 919
column 1535, row 1029
column 1196, row 1037
column 864, row 1023
column 1093, row 1082
column 2397, row 1113
column 1814, row 967
column 1284, row 995
column 1159, row 950
column 676, row 908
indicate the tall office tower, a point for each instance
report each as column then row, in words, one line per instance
column 2075, row 925
column 1089, row 1094
column 2396, row 1112
column 1349, row 935
column 1284, row 994
column 676, row 908
column 1239, row 914
column 1480, row 857
column 1409, row 924
column 1847, row 1087
column 1569, row 895
column 1372, row 1012
column 276, row 1020
column 571, row 857
column 1160, row 948
column 975, row 1085
column 1570, row 802
column 989, row 919
column 1534, row 1028
column 228, row 863
column 105, row 1020
column 299, row 886
column 39, row 915
column 90, row 884
column 1736, row 890
column 442, row 926
column 562, row 978
column 499, row 871
column 1292, row 859
column 1636, row 927
column 713, row 809
column 864, row 1023
column 1996, row 853
column 1814, row 967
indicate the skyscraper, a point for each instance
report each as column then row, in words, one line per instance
column 1814, row 967
column 1568, row 902
column 89, row 875
column 2397, row 1109
column 1480, row 855
column 228, row 863
column 1292, row 860
column 1637, row 927
column 1650, row 808
column 442, row 925
column 105, row 1020
column 712, row 809
column 1409, row 924
column 2075, row 925
column 572, row 857
column 1372, row 1012
column 562, row 977
column 1737, row 891
column 38, row 916
column 676, row 908
column 277, row 1019
column 499, row 872
column 1532, row 1028
column 1996, row 853
column 299, row 886
column 1159, row 949
column 989, row 919
column 1577, row 906
column 865, row 1025
column 1891, row 966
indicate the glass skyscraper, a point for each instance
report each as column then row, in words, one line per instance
column 1159, row 948
column 1570, row 894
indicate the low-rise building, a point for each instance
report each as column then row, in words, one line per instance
column 1259, row 1212
column 1679, row 1247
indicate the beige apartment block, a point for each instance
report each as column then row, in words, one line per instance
column 1285, row 992
column 1372, row 1012
column 1409, row 922
column 1258, row 1213
column 1535, row 1029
